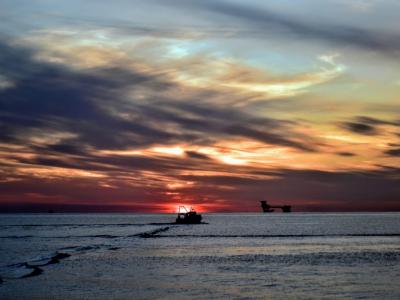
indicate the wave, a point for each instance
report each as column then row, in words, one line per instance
column 318, row 258
column 274, row 235
column 146, row 234
column 17, row 236
column 85, row 225
column 154, row 233
column 34, row 267
column 106, row 236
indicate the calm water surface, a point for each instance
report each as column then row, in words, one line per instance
column 234, row 256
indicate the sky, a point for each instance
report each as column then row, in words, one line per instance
column 141, row 106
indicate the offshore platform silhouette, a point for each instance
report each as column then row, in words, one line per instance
column 270, row 208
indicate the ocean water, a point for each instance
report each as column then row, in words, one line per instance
column 233, row 256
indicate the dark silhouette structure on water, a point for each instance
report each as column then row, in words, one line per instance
column 270, row 208
column 188, row 217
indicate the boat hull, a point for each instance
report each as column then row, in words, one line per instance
column 189, row 220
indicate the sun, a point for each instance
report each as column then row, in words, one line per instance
column 174, row 207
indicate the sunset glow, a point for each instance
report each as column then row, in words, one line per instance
column 212, row 104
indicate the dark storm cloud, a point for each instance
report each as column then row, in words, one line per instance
column 66, row 148
column 262, row 21
column 266, row 137
column 360, row 128
column 197, row 155
column 366, row 125
column 120, row 164
column 345, row 154
column 226, row 122
column 49, row 97
column 375, row 121
column 393, row 152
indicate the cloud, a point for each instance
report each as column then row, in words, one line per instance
column 360, row 128
column 136, row 181
column 88, row 136
column 375, row 121
column 50, row 96
column 196, row 155
column 266, row 137
column 99, row 108
column 360, row 6
column 346, row 154
column 261, row 21
column 393, row 152
column 55, row 110
column 184, row 63
column 228, row 74
column 366, row 125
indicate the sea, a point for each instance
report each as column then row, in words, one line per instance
column 231, row 256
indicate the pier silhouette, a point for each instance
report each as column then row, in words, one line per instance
column 270, row 208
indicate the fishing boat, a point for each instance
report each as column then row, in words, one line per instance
column 188, row 216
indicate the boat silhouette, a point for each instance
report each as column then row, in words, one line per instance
column 270, row 208
column 188, row 216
